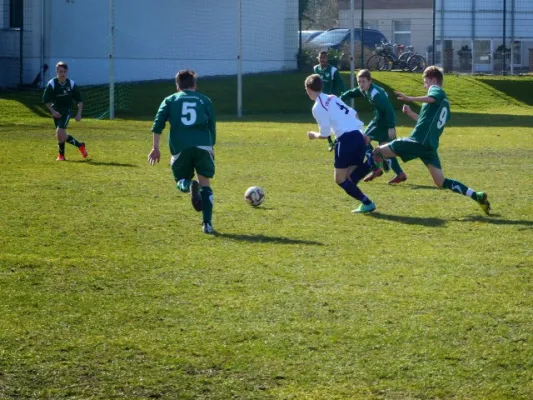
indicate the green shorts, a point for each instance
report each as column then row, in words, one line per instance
column 194, row 159
column 408, row 149
column 377, row 133
column 62, row 122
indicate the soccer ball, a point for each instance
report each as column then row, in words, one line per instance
column 254, row 196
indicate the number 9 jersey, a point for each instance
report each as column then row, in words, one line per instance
column 432, row 118
column 333, row 115
column 192, row 121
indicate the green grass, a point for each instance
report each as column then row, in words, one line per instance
column 110, row 289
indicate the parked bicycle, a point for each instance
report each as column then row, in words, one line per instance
column 385, row 59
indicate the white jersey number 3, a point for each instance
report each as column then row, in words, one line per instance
column 188, row 113
column 442, row 118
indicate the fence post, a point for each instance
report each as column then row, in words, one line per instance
column 530, row 60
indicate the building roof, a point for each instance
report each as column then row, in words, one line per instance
column 386, row 4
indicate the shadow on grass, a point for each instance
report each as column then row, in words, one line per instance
column 414, row 186
column 107, row 164
column 434, row 222
column 496, row 219
column 266, row 239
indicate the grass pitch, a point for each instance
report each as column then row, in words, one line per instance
column 110, row 289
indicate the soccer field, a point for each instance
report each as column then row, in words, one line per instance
column 110, row 289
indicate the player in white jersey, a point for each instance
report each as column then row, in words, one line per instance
column 333, row 115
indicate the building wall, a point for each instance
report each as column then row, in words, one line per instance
column 153, row 38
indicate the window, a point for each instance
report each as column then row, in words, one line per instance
column 371, row 24
column 16, row 8
column 402, row 32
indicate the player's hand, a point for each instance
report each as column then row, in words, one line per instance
column 406, row 109
column 311, row 135
column 78, row 117
column 392, row 132
column 55, row 114
column 154, row 156
column 403, row 97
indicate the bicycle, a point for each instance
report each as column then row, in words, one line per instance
column 385, row 59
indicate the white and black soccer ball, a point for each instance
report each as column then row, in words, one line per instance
column 254, row 196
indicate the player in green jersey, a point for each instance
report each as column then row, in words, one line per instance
column 58, row 96
column 423, row 142
column 191, row 140
column 382, row 128
column 332, row 81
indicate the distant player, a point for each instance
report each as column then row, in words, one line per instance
column 58, row 96
column 331, row 113
column 331, row 81
column 191, row 140
column 382, row 128
column 423, row 142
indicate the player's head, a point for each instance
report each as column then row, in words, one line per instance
column 313, row 86
column 61, row 70
column 432, row 76
column 186, row 79
column 364, row 79
column 323, row 58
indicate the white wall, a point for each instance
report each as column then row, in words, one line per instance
column 153, row 39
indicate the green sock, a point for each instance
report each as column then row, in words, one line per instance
column 458, row 187
column 73, row 141
column 184, row 185
column 395, row 165
column 207, row 203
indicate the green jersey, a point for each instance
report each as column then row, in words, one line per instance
column 192, row 121
column 61, row 95
column 432, row 118
column 331, row 79
column 384, row 115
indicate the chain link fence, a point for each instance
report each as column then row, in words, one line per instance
column 108, row 42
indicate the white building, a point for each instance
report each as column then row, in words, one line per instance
column 149, row 39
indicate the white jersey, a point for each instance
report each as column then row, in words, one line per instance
column 334, row 115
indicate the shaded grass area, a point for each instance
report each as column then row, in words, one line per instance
column 110, row 289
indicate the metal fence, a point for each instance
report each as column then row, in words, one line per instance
column 114, row 41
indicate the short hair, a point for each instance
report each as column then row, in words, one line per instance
column 186, row 79
column 62, row 64
column 434, row 72
column 314, row 82
column 322, row 52
column 364, row 73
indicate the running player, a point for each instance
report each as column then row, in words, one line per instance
column 192, row 136
column 423, row 142
column 332, row 114
column 58, row 96
column 382, row 128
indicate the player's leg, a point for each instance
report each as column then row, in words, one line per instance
column 381, row 154
column 399, row 174
column 205, row 170
column 455, row 186
column 183, row 170
column 350, row 167
column 61, row 136
column 70, row 139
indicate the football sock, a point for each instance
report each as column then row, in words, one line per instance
column 73, row 141
column 207, row 203
column 184, row 185
column 395, row 165
column 361, row 171
column 330, row 140
column 354, row 191
column 458, row 187
column 61, row 148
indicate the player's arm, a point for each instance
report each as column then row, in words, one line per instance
column 351, row 94
column 324, row 126
column 410, row 113
column 383, row 104
column 338, row 83
column 412, row 99
column 157, row 128
column 48, row 97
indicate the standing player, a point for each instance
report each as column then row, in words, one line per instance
column 192, row 136
column 331, row 113
column 58, row 96
column 382, row 128
column 424, row 140
column 331, row 81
